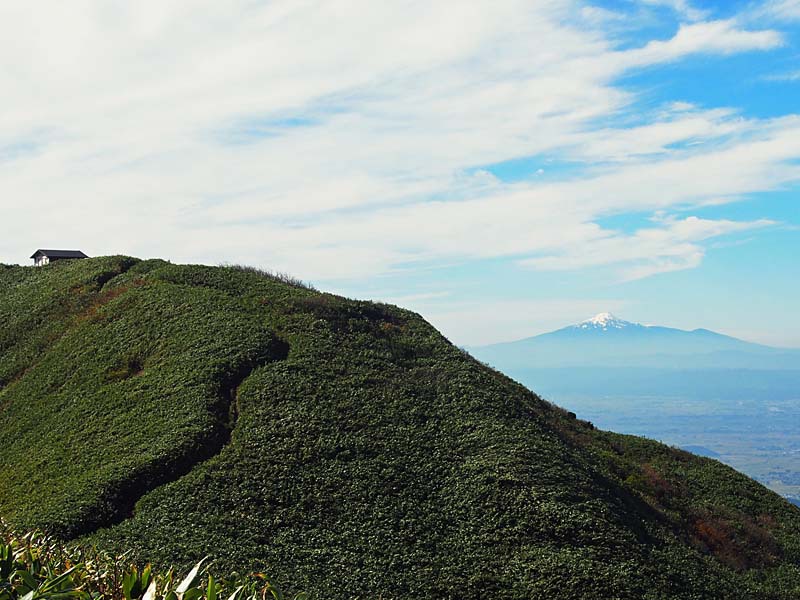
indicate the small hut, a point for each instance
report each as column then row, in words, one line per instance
column 45, row 257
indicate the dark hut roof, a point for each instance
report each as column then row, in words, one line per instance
column 59, row 254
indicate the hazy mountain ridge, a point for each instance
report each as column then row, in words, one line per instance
column 608, row 341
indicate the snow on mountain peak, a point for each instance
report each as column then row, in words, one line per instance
column 603, row 320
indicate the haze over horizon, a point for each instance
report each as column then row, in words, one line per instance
column 505, row 168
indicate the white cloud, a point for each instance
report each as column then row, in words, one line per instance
column 789, row 76
column 709, row 37
column 341, row 140
column 682, row 7
column 788, row 10
column 673, row 246
column 680, row 125
column 598, row 16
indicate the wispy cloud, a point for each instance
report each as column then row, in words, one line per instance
column 788, row 10
column 713, row 37
column 789, row 76
column 683, row 7
column 672, row 246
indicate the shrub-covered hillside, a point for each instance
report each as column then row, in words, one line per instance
column 345, row 447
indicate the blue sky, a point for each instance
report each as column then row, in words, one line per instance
column 503, row 167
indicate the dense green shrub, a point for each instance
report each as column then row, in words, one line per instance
column 186, row 411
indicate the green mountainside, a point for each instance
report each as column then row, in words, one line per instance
column 345, row 447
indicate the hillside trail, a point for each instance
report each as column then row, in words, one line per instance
column 121, row 500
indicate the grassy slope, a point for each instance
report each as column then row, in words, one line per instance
column 368, row 456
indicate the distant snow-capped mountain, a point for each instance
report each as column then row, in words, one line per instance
column 605, row 340
column 605, row 321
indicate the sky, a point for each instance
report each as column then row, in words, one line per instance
column 503, row 167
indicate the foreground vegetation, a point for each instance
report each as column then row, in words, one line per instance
column 185, row 411
column 35, row 567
